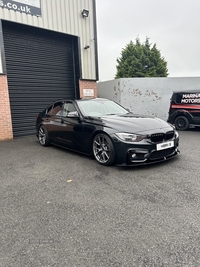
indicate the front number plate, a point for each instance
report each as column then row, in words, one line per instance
column 165, row 145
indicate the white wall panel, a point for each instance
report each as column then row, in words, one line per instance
column 64, row 16
column 148, row 96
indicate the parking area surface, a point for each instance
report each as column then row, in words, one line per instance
column 62, row 209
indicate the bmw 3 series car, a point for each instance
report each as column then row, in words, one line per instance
column 106, row 130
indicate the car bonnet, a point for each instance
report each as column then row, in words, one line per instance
column 135, row 123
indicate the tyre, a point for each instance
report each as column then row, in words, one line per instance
column 43, row 136
column 181, row 123
column 103, row 149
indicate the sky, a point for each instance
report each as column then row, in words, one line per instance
column 173, row 25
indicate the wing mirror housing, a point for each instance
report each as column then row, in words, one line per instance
column 73, row 114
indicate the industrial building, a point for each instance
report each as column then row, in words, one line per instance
column 48, row 52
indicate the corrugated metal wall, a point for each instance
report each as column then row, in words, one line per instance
column 65, row 16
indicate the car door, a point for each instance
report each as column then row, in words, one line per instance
column 53, row 121
column 71, row 129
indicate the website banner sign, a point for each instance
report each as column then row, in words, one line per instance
column 31, row 7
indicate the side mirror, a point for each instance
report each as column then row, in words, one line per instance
column 73, row 114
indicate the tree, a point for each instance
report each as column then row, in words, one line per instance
column 141, row 60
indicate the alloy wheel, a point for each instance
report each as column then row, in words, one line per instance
column 103, row 149
column 42, row 136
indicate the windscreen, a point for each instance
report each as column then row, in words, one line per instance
column 101, row 108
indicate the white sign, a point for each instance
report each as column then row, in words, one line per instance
column 88, row 92
column 165, row 145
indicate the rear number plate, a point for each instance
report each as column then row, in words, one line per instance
column 165, row 145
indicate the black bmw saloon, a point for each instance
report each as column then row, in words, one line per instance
column 106, row 130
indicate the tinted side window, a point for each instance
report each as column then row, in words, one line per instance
column 55, row 109
column 68, row 107
column 49, row 110
column 178, row 98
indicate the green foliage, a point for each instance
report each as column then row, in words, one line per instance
column 141, row 60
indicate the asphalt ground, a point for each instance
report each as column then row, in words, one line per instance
column 63, row 209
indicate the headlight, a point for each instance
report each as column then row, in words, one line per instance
column 128, row 137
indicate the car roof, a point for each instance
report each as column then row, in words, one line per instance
column 83, row 99
column 93, row 99
column 187, row 92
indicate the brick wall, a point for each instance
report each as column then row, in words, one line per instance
column 87, row 84
column 6, row 131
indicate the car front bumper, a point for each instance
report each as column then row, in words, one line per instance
column 135, row 154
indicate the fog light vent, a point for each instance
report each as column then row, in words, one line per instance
column 137, row 155
column 133, row 155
